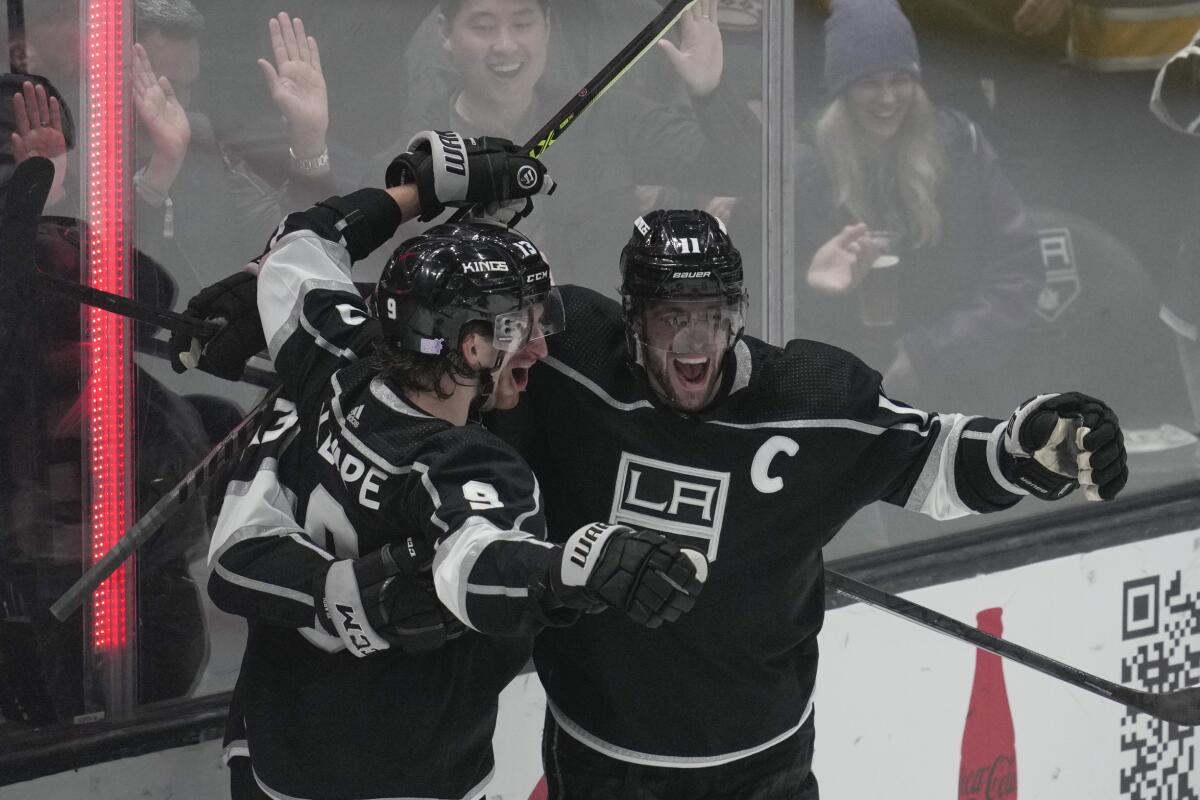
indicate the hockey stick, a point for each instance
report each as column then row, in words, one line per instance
column 603, row 80
column 27, row 191
column 1181, row 706
column 232, row 444
column 213, row 464
column 118, row 304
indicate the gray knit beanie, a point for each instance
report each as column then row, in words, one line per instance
column 863, row 37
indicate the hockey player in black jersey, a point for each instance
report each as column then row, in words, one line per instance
column 374, row 496
column 660, row 413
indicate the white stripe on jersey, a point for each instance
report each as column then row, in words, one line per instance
column 456, row 557
column 679, row 762
column 993, row 459
column 594, row 387
column 935, row 493
column 537, row 505
column 433, row 495
column 395, row 402
column 887, row 404
column 845, row 424
column 335, row 403
column 260, row 507
column 298, row 263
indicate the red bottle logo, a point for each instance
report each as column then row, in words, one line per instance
column 988, row 769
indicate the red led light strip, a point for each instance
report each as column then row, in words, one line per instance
column 108, row 378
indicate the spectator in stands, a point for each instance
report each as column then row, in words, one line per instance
column 588, row 35
column 1176, row 102
column 500, row 49
column 884, row 158
column 43, row 476
column 200, row 210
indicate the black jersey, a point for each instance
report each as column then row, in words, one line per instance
column 351, row 467
column 803, row 439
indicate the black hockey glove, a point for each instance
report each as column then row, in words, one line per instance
column 1060, row 441
column 452, row 171
column 232, row 303
column 380, row 601
column 642, row 573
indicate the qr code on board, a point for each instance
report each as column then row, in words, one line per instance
column 1162, row 620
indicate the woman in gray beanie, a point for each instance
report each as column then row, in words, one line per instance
column 890, row 179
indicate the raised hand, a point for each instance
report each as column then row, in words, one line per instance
column 40, row 133
column 297, row 84
column 159, row 110
column 700, row 57
column 841, row 262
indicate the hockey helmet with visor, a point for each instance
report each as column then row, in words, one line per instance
column 684, row 303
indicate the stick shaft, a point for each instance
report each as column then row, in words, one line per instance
column 955, row 629
column 119, row 304
column 200, row 475
column 600, row 83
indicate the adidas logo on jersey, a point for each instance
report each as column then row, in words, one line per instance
column 355, row 417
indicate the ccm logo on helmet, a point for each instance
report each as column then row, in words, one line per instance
column 485, row 266
column 537, row 276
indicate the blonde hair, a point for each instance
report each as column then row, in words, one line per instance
column 894, row 187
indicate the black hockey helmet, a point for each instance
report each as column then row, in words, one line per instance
column 454, row 274
column 683, row 255
column 680, row 254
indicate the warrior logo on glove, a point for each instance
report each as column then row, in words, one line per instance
column 450, row 170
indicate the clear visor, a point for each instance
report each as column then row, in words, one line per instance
column 514, row 330
column 691, row 326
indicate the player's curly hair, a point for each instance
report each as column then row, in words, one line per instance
column 411, row 371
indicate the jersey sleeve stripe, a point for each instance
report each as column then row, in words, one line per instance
column 935, row 493
column 537, row 506
column 252, row 507
column 262, row 587
column 298, row 263
column 456, row 558
column 434, row 497
column 888, row 404
column 994, row 443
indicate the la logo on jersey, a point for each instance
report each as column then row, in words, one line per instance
column 672, row 498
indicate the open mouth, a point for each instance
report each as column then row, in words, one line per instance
column 506, row 71
column 520, row 378
column 692, row 371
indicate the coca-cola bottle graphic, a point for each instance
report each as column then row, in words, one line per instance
column 988, row 770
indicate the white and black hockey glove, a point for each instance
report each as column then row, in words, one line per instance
column 1060, row 441
column 380, row 601
column 233, row 304
column 450, row 170
column 642, row 573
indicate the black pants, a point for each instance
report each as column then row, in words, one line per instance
column 574, row 771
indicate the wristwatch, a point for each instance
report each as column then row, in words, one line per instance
column 310, row 166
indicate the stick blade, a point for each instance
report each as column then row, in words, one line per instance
column 1181, row 706
column 27, row 190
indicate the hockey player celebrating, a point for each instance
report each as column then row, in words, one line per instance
column 374, row 496
column 756, row 455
